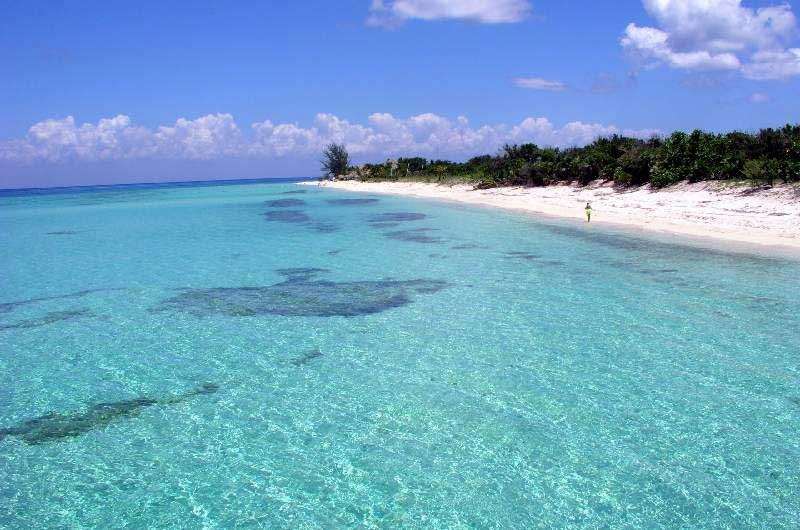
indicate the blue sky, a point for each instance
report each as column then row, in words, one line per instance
column 106, row 92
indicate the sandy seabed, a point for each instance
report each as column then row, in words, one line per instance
column 762, row 217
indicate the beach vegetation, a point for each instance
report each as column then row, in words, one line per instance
column 763, row 157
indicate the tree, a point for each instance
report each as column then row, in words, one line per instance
column 335, row 160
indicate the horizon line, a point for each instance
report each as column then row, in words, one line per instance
column 165, row 183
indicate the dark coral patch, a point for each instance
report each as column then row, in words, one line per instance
column 48, row 318
column 384, row 225
column 298, row 217
column 465, row 246
column 306, row 357
column 324, row 226
column 301, row 273
column 523, row 255
column 656, row 271
column 294, row 192
column 417, row 235
column 285, row 203
column 351, row 202
column 55, row 426
column 63, row 233
column 299, row 296
column 287, row 216
column 533, row 257
column 396, row 217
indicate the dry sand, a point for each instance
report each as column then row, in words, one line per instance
column 768, row 218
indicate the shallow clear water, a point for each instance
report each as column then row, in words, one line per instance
column 493, row 371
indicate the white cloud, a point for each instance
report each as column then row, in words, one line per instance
column 392, row 13
column 537, row 83
column 717, row 35
column 652, row 43
column 58, row 140
column 217, row 136
column 758, row 97
column 773, row 64
column 210, row 136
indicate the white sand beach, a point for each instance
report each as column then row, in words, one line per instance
column 768, row 217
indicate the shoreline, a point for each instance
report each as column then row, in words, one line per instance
column 762, row 219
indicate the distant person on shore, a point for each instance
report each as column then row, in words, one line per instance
column 588, row 211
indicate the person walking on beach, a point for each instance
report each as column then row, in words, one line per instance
column 588, row 211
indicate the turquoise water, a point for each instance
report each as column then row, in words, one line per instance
column 448, row 367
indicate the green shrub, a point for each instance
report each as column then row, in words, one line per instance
column 756, row 170
column 622, row 178
column 663, row 176
column 486, row 184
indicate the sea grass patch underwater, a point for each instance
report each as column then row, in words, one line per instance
column 64, row 233
column 325, row 227
column 287, row 216
column 466, row 246
column 301, row 273
column 301, row 295
column 519, row 254
column 48, row 318
column 56, row 426
column 307, row 357
column 294, row 216
column 396, row 217
column 285, row 203
column 415, row 235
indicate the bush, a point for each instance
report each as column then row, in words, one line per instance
column 664, row 176
column 756, row 170
column 486, row 184
column 622, row 178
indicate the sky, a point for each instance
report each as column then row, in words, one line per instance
column 111, row 92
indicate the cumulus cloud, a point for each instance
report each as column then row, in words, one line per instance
column 537, row 83
column 393, row 13
column 58, row 140
column 212, row 136
column 773, row 64
column 717, row 35
column 217, row 136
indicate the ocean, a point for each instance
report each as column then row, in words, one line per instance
column 282, row 356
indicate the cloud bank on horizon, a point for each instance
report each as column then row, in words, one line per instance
column 717, row 36
column 219, row 136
